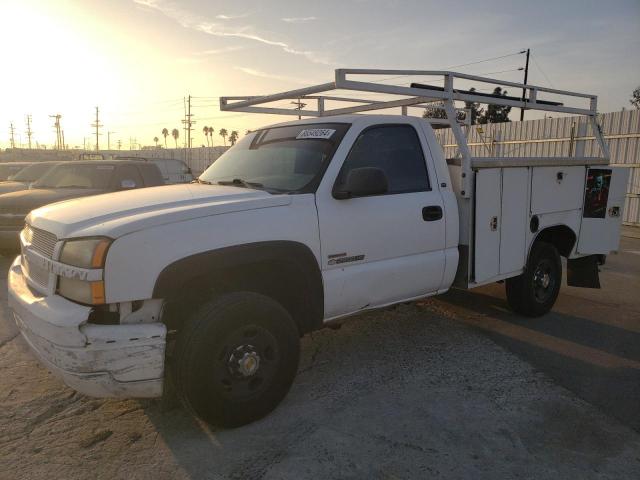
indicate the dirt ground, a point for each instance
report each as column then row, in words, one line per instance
column 453, row 387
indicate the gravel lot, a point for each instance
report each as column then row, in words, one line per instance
column 417, row 391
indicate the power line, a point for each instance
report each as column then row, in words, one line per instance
column 460, row 65
column 503, row 71
column 542, row 71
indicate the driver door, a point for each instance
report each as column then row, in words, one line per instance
column 385, row 248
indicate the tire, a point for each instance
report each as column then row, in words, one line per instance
column 535, row 291
column 235, row 358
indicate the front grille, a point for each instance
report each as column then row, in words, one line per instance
column 44, row 243
column 41, row 241
column 37, row 275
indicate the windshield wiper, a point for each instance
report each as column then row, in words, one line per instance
column 204, row 182
column 241, row 183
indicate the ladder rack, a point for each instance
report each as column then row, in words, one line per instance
column 419, row 95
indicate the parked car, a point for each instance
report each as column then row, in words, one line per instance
column 173, row 170
column 11, row 168
column 70, row 180
column 26, row 177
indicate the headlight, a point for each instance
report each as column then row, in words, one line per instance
column 88, row 253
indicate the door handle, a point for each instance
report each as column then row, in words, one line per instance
column 432, row 213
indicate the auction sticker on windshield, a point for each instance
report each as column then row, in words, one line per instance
column 321, row 133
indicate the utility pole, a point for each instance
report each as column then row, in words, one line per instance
column 13, row 141
column 62, row 137
column 119, row 144
column 188, row 123
column 299, row 107
column 109, row 140
column 524, row 90
column 56, row 124
column 29, row 132
column 97, row 125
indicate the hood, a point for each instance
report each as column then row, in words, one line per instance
column 116, row 214
column 26, row 200
column 10, row 186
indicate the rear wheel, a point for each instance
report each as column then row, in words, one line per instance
column 535, row 291
column 236, row 358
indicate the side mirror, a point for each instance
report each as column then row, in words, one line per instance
column 127, row 184
column 362, row 182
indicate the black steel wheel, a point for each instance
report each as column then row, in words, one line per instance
column 236, row 358
column 535, row 291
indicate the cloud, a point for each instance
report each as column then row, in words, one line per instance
column 298, row 19
column 258, row 73
column 246, row 32
column 218, row 51
column 232, row 17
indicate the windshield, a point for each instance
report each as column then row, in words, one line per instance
column 77, row 176
column 280, row 160
column 8, row 170
column 31, row 173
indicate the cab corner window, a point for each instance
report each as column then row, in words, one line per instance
column 394, row 149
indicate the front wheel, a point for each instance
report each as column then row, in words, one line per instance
column 236, row 358
column 535, row 291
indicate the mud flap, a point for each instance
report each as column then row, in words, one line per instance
column 583, row 272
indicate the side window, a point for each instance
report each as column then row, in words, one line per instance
column 396, row 150
column 127, row 172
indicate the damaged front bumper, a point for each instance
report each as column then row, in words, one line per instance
column 96, row 360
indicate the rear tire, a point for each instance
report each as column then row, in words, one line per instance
column 236, row 358
column 535, row 291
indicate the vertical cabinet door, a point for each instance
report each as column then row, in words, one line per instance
column 514, row 219
column 604, row 195
column 487, row 224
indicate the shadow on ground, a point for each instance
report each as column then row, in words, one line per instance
column 615, row 389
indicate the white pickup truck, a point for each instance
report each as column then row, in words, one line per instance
column 211, row 284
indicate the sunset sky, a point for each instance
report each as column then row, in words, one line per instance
column 137, row 59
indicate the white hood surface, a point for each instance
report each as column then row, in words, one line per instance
column 116, row 214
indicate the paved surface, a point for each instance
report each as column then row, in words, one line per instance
column 453, row 387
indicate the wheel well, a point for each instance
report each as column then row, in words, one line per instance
column 560, row 236
column 287, row 273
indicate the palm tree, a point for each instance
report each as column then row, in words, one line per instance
column 175, row 133
column 211, row 132
column 223, row 133
column 155, row 139
column 205, row 130
column 165, row 134
column 233, row 137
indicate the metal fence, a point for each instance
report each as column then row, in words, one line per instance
column 567, row 136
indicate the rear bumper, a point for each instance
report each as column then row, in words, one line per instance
column 96, row 360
